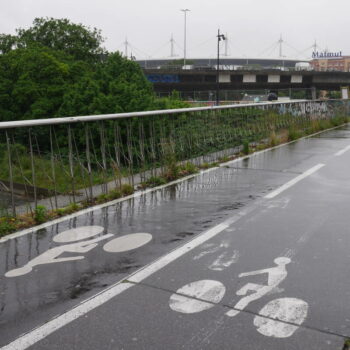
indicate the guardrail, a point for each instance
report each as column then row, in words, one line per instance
column 58, row 161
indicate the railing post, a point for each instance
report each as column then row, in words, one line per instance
column 33, row 168
column 103, row 155
column 88, row 159
column 11, row 174
column 71, row 161
column 53, row 167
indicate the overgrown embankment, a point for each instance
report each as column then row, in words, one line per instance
column 274, row 133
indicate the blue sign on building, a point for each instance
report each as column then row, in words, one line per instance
column 163, row 78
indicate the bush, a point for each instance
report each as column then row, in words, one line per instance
column 188, row 169
column 7, row 225
column 154, row 181
column 103, row 197
column 294, row 134
column 40, row 214
column 127, row 190
column 246, row 148
column 114, row 194
column 273, row 141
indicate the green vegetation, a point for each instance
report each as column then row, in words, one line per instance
column 174, row 172
column 205, row 166
column 57, row 68
column 246, row 148
column 40, row 214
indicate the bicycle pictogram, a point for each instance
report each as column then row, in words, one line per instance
column 279, row 318
column 79, row 241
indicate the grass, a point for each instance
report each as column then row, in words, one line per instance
column 246, row 147
column 206, row 165
column 172, row 173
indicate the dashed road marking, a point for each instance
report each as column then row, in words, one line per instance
column 341, row 152
column 294, row 181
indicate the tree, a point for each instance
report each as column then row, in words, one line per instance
column 76, row 40
column 117, row 85
column 7, row 43
column 32, row 83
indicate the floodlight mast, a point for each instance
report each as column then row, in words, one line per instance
column 220, row 37
column 185, row 29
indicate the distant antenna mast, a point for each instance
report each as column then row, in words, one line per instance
column 172, row 51
column 126, row 43
column 280, row 43
column 315, row 46
column 226, row 45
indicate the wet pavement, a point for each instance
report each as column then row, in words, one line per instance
column 206, row 232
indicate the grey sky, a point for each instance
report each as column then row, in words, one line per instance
column 252, row 25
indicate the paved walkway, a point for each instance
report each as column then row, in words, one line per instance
column 253, row 255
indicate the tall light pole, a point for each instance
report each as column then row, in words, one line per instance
column 185, row 13
column 220, row 37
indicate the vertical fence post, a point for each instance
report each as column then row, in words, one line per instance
column 88, row 159
column 130, row 152
column 117, row 146
column 33, row 168
column 71, row 161
column 53, row 167
column 11, row 174
column 103, row 155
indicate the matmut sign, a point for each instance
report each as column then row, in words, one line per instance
column 326, row 54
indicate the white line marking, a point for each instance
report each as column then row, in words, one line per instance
column 341, row 152
column 292, row 182
column 37, row 334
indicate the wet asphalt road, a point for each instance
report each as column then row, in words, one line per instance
column 307, row 223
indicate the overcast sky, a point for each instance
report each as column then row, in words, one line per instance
column 253, row 26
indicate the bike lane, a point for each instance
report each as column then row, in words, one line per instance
column 268, row 229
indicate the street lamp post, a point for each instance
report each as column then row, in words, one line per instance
column 220, row 37
column 185, row 13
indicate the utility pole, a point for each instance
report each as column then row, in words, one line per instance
column 185, row 29
column 220, row 37
column 226, row 46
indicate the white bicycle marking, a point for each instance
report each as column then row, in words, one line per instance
column 127, row 242
column 224, row 260
column 279, row 318
column 52, row 255
column 78, row 234
column 285, row 309
column 208, row 290
column 117, row 245
column 275, row 276
column 213, row 249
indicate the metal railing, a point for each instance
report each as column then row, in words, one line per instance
column 58, row 161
